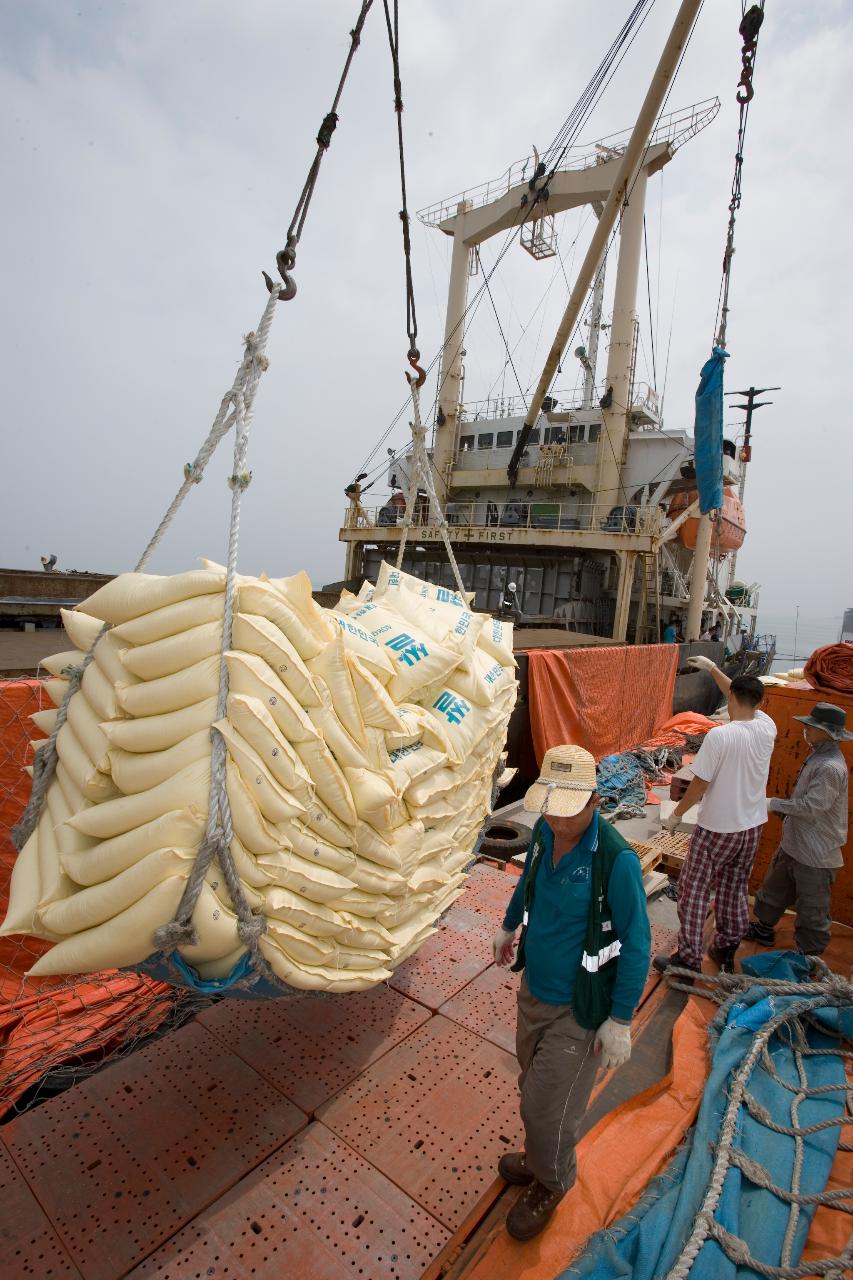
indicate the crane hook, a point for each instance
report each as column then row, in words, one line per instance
column 420, row 379
column 285, row 260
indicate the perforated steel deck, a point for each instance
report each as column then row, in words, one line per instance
column 434, row 1115
column 195, row 1158
column 449, row 960
column 30, row 1246
column 314, row 1210
column 125, row 1159
column 309, row 1049
column 488, row 891
column 487, row 1006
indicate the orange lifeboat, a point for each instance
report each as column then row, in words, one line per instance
column 730, row 531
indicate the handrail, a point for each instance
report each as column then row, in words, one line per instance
column 675, row 128
column 516, row 514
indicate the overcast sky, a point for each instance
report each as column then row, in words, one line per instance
column 152, row 154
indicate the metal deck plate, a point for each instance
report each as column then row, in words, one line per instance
column 664, row 942
column 30, row 1246
column 309, row 1049
column 487, row 1006
column 488, row 893
column 314, row 1210
column 434, row 1115
column 448, row 960
column 123, row 1160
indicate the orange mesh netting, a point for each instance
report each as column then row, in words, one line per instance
column 606, row 699
column 831, row 668
column 61, row 1026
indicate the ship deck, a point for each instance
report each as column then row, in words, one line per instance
column 342, row 1136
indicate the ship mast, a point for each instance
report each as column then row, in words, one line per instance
column 589, row 359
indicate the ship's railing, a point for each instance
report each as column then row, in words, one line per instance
column 517, row 514
column 674, row 128
column 514, row 406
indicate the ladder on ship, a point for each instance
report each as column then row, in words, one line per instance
column 648, row 612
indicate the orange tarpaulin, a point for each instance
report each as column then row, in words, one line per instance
column 830, row 669
column 628, row 1147
column 606, row 699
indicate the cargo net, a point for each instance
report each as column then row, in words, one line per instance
column 793, row 1080
column 625, row 779
column 54, row 1031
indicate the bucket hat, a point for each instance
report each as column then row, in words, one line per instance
column 566, row 781
column 832, row 719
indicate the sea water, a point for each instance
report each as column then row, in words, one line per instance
column 797, row 639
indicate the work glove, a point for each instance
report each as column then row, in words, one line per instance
column 613, row 1042
column 701, row 663
column 503, row 945
column 671, row 823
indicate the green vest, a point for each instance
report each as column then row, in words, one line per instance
column 597, row 972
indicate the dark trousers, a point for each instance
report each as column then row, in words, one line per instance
column 558, row 1069
column 790, row 883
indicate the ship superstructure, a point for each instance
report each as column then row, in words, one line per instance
column 589, row 526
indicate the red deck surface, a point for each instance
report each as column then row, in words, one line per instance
column 342, row 1136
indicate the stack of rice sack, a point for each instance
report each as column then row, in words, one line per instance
column 361, row 746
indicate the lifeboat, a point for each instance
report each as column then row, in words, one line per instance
column 730, row 530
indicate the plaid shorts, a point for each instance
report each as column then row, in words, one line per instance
column 722, row 860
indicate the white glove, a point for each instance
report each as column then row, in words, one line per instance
column 701, row 663
column 503, row 945
column 613, row 1041
column 671, row 823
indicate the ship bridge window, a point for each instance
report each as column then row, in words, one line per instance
column 594, row 432
column 555, row 435
column 505, row 439
column 576, row 432
column 485, row 440
column 466, row 443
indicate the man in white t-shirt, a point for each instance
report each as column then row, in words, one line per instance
column 730, row 785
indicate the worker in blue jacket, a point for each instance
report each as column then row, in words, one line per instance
column 584, row 947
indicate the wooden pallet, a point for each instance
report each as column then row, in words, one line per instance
column 667, row 849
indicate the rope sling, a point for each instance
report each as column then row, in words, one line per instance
column 236, row 411
column 420, row 474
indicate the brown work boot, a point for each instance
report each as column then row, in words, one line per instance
column 513, row 1168
column 532, row 1211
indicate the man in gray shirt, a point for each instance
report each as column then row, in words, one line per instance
column 815, row 828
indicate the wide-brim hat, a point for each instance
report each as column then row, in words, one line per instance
column 832, row 719
column 566, row 781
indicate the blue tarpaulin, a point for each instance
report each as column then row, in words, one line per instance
column 646, row 1243
column 708, row 432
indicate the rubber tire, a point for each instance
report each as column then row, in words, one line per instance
column 513, row 839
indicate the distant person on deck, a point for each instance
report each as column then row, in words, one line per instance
column 730, row 784
column 813, row 834
column 670, row 631
column 717, row 632
column 584, row 948
column 744, row 639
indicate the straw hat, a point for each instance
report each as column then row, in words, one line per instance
column 566, row 781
